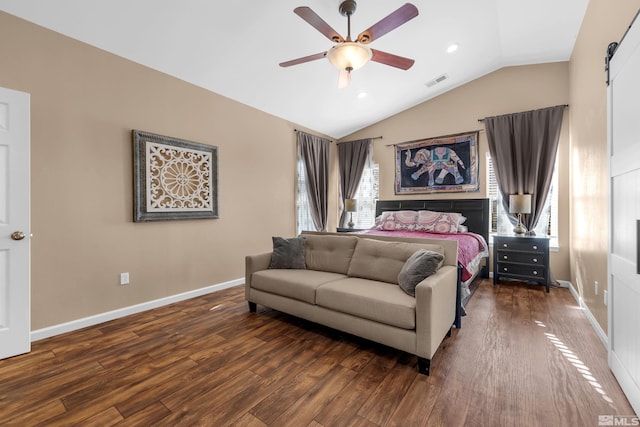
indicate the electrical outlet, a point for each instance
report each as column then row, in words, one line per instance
column 124, row 278
column 595, row 287
column 606, row 294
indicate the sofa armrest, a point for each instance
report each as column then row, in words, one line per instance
column 253, row 263
column 435, row 309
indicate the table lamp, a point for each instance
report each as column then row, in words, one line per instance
column 520, row 204
column 351, row 206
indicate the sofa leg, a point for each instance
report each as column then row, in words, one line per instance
column 450, row 332
column 252, row 307
column 424, row 365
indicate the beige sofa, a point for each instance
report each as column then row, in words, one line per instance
column 350, row 284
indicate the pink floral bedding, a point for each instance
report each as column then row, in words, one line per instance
column 471, row 246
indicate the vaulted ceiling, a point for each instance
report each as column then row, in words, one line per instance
column 233, row 48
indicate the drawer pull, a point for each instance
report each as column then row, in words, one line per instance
column 535, row 247
column 505, row 269
column 505, row 257
column 535, row 273
column 504, row 245
column 535, row 260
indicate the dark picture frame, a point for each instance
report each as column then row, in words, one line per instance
column 173, row 179
column 445, row 164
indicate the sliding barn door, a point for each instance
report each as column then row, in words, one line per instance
column 624, row 256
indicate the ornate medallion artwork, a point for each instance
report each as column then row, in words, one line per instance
column 174, row 179
column 177, row 179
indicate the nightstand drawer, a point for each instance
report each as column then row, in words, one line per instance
column 522, row 246
column 521, row 257
column 522, row 270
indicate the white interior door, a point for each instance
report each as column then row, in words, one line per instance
column 624, row 265
column 15, row 307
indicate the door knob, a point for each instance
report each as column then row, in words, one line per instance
column 18, row 235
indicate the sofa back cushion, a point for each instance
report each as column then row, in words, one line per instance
column 382, row 260
column 329, row 253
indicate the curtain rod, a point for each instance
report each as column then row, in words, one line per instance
column 374, row 137
column 424, row 139
column 562, row 105
column 330, row 140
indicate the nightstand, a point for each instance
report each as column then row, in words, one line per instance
column 349, row 230
column 524, row 258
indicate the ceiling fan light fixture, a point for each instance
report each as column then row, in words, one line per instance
column 349, row 56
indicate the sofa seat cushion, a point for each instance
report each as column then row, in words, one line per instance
column 378, row 301
column 296, row 284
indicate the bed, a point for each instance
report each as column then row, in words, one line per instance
column 473, row 249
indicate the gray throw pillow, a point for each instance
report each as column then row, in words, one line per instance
column 419, row 266
column 288, row 253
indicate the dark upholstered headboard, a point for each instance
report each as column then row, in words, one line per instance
column 476, row 210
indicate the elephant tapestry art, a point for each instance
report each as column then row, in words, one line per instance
column 443, row 164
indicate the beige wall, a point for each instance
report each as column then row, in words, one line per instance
column 605, row 22
column 84, row 104
column 507, row 90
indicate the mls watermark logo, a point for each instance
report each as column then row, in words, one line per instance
column 618, row 420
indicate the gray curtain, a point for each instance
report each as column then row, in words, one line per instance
column 352, row 157
column 314, row 151
column 523, row 149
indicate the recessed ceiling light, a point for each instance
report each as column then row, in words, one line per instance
column 362, row 95
column 452, row 47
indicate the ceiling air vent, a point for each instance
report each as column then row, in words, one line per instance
column 437, row 80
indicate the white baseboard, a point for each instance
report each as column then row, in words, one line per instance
column 594, row 323
column 62, row 328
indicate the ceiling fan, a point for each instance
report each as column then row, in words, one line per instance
column 348, row 55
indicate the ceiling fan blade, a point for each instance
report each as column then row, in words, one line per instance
column 318, row 23
column 391, row 59
column 344, row 79
column 303, row 59
column 390, row 22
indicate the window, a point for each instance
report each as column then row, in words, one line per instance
column 303, row 216
column 367, row 194
column 548, row 222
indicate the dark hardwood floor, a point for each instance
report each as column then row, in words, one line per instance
column 522, row 358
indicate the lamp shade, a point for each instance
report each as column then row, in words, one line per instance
column 349, row 55
column 520, row 203
column 350, row 205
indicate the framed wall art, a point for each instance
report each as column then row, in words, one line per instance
column 173, row 179
column 446, row 164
